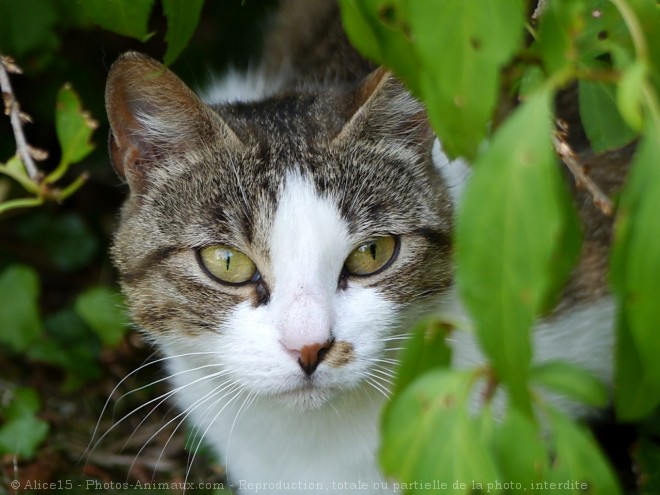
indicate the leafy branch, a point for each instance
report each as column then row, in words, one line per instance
column 517, row 235
column 17, row 118
column 74, row 129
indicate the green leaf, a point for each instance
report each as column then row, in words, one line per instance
column 103, row 310
column 22, row 432
column 429, row 437
column 636, row 393
column 559, row 27
column 525, row 460
column 457, row 72
column 426, row 349
column 578, row 460
column 646, row 15
column 380, row 30
column 635, row 274
column 74, row 128
column 70, row 344
column 24, row 402
column 66, row 238
column 567, row 379
column 356, row 21
column 602, row 121
column 14, row 168
column 20, row 324
column 516, row 240
column 461, row 68
column 602, row 34
column 629, row 95
column 125, row 17
column 182, row 19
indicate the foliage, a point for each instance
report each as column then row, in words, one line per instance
column 74, row 128
column 62, row 320
column 469, row 62
column 22, row 431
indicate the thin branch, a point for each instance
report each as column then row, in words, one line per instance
column 540, row 7
column 566, row 153
column 16, row 117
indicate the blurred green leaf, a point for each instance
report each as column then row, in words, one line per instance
column 104, row 311
column 578, row 459
column 636, row 394
column 68, row 241
column 70, row 344
column 635, row 273
column 525, row 459
column 74, row 128
column 182, row 19
column 559, row 27
column 478, row 38
column 426, row 349
column 428, row 436
column 22, row 432
column 600, row 116
column 361, row 29
column 14, row 168
column 530, row 228
column 603, row 33
column 125, row 17
column 380, row 30
column 629, row 95
column 20, row 324
column 457, row 73
column 571, row 381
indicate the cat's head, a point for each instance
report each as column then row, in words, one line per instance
column 285, row 240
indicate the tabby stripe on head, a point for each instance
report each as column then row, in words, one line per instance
column 149, row 263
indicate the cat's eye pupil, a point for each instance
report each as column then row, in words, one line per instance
column 371, row 256
column 227, row 264
column 372, row 250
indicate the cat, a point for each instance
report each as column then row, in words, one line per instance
column 279, row 241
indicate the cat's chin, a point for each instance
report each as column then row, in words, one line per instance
column 306, row 398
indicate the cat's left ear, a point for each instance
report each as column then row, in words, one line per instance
column 381, row 107
column 153, row 115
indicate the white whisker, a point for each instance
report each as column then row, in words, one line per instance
column 107, row 402
column 190, row 463
column 185, row 413
column 377, row 386
column 160, row 398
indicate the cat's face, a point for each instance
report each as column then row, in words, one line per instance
column 285, row 242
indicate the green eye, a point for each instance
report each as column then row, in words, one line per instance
column 371, row 256
column 227, row 264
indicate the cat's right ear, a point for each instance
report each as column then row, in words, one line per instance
column 382, row 109
column 153, row 115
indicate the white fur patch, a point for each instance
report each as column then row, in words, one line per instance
column 237, row 86
column 309, row 244
column 454, row 172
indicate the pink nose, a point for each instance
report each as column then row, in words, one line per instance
column 311, row 356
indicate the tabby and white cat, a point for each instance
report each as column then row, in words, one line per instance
column 277, row 244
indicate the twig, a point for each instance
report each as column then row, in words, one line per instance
column 564, row 150
column 540, row 7
column 16, row 117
